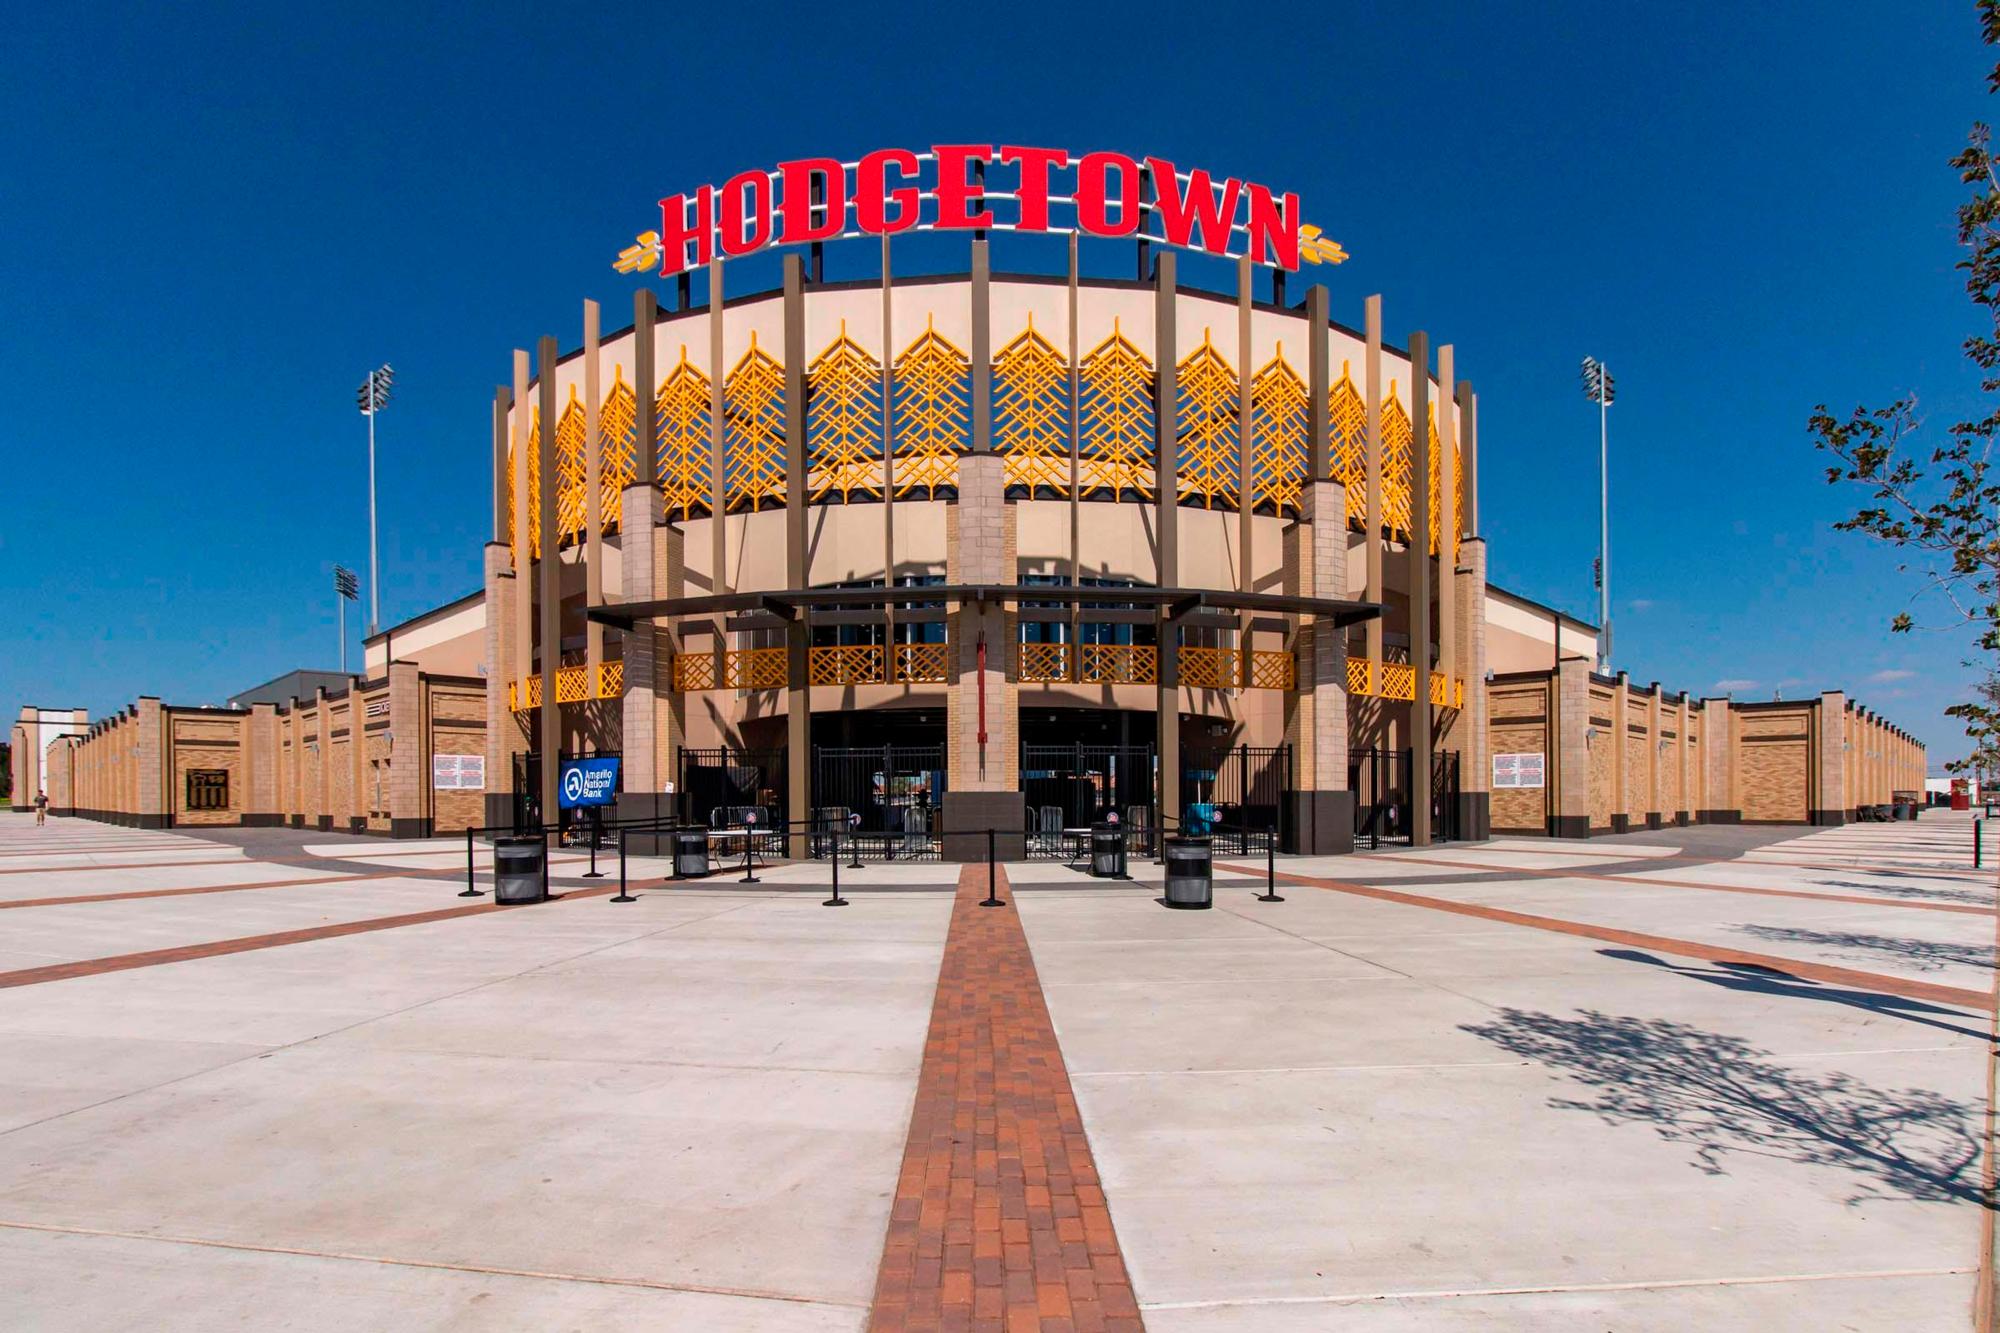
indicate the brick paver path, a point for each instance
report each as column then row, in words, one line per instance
column 999, row 1221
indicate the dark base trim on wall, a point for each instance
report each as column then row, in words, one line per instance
column 1653, row 819
column 326, row 823
column 357, row 824
column 1323, row 822
column 1829, row 818
column 409, row 828
column 150, row 821
column 262, row 821
column 1680, row 819
column 1475, row 816
column 1621, row 823
column 1720, row 817
column 977, row 811
column 1569, row 826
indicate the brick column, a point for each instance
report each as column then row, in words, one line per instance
column 323, row 750
column 1322, row 814
column 640, row 538
column 1719, row 759
column 1832, row 803
column 409, row 760
column 1655, row 765
column 1571, row 803
column 502, row 670
column 1475, row 749
column 261, row 757
column 985, row 780
column 150, row 806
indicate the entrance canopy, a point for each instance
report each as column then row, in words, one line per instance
column 1175, row 603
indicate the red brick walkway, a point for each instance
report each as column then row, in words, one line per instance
column 999, row 1220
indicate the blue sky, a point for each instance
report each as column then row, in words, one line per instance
column 211, row 227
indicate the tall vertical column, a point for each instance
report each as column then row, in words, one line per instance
column 593, row 504
column 887, row 389
column 1831, row 803
column 150, row 805
column 1371, row 546
column 549, row 592
column 1075, row 464
column 1447, row 530
column 502, row 669
column 1316, row 566
column 1468, row 453
column 524, row 546
column 1419, row 551
column 323, row 748
column 798, row 638
column 262, row 735
column 503, row 402
column 1166, row 454
column 1621, row 777
column 1246, row 422
column 645, row 388
column 1655, row 761
column 639, row 535
column 407, row 781
column 1718, row 743
column 981, row 294
column 1475, row 761
column 1570, row 805
column 718, row 374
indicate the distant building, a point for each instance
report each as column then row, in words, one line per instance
column 291, row 685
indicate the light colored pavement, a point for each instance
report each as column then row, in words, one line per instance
column 1333, row 1112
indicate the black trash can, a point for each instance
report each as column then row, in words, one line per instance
column 1190, row 873
column 1107, row 851
column 520, row 870
column 691, row 853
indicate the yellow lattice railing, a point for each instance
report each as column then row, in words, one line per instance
column 1044, row 661
column 534, row 447
column 1397, row 453
column 572, row 686
column 618, row 460
column 1446, row 692
column 753, row 411
column 1399, row 680
column 933, row 391
column 1271, row 671
column 1119, row 664
column 684, row 445
column 754, row 669
column 1210, row 461
column 1347, row 428
column 694, row 671
column 919, row 663
column 1208, row 668
column 1360, row 676
column 1031, row 413
column 611, row 679
column 569, row 470
column 844, row 422
column 1115, row 449
column 1278, row 410
column 846, row 664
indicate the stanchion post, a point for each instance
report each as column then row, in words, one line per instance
column 992, row 898
column 624, row 894
column 1270, row 893
column 836, row 900
column 1977, row 859
column 472, row 889
column 854, row 827
column 749, row 850
column 596, row 831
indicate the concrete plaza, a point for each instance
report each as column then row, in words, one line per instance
column 1717, row 1078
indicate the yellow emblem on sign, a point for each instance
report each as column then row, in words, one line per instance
column 1314, row 248
column 641, row 258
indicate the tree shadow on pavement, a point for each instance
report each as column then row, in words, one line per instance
column 1927, row 955
column 1722, row 1096
column 1966, row 897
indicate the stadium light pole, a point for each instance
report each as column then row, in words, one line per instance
column 1598, row 386
column 346, row 588
column 372, row 397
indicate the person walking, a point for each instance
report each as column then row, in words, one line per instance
column 41, row 808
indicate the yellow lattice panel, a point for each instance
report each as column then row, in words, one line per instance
column 849, row 664
column 569, row 470
column 684, row 452
column 932, row 397
column 534, row 487
column 1347, row 430
column 919, row 663
column 1115, row 453
column 1044, row 661
column 1437, row 472
column 1272, row 671
column 1208, row 668
column 572, row 684
column 1399, row 681
column 1360, row 678
column 610, row 679
column 694, row 671
column 513, row 696
column 754, row 669
column 1446, row 692
column 617, row 462
column 1278, row 409
column 844, row 422
column 1119, row 664
column 1207, row 424
column 1031, row 413
column 753, row 431
column 1397, row 445
column 528, row 696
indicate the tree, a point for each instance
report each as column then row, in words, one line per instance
column 1944, row 508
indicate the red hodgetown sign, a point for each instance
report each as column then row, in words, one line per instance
column 979, row 187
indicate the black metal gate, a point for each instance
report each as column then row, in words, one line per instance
column 1380, row 781
column 724, row 787
column 898, row 792
column 1071, row 787
column 1241, row 795
column 528, row 790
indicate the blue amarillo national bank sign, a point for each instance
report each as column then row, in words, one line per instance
column 587, row 782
